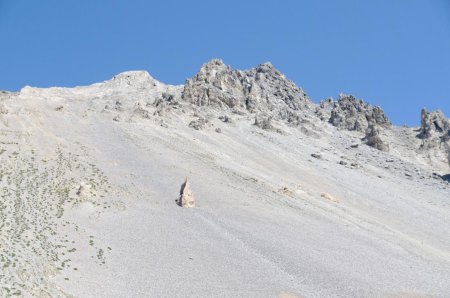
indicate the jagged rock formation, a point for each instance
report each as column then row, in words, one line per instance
column 353, row 114
column 262, row 89
column 435, row 135
column 323, row 111
column 447, row 147
column 215, row 85
column 186, row 199
column 373, row 138
column 434, row 124
column 163, row 103
column 263, row 121
column 198, row 124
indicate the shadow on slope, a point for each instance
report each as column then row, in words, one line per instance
column 446, row 177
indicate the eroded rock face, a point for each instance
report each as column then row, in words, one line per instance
column 434, row 124
column 186, row 199
column 324, row 109
column 269, row 89
column 448, row 153
column 353, row 114
column 215, row 85
column 435, row 135
column 263, row 121
column 262, row 89
column 373, row 138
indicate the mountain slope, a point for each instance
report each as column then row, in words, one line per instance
column 290, row 206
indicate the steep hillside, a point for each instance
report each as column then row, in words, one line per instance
column 292, row 198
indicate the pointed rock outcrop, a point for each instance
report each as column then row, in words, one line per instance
column 186, row 199
column 373, row 138
column 434, row 124
column 435, row 135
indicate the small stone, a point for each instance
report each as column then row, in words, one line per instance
column 329, row 197
column 317, row 155
column 198, row 124
column 226, row 119
column 286, row 191
column 163, row 124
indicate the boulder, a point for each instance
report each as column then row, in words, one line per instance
column 186, row 199
column 198, row 124
column 85, row 191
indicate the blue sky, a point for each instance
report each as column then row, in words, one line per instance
column 395, row 54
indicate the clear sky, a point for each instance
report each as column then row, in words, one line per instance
column 392, row 53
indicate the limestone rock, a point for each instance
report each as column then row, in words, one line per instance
column 373, row 138
column 85, row 191
column 434, row 124
column 141, row 112
column 263, row 121
column 317, row 155
column 186, row 199
column 286, row 191
column 139, row 79
column 3, row 109
column 324, row 109
column 435, row 135
column 351, row 113
column 262, row 89
column 329, row 197
column 162, row 103
column 214, row 85
column 226, row 119
column 448, row 155
column 198, row 124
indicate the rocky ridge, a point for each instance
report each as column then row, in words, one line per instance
column 263, row 95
